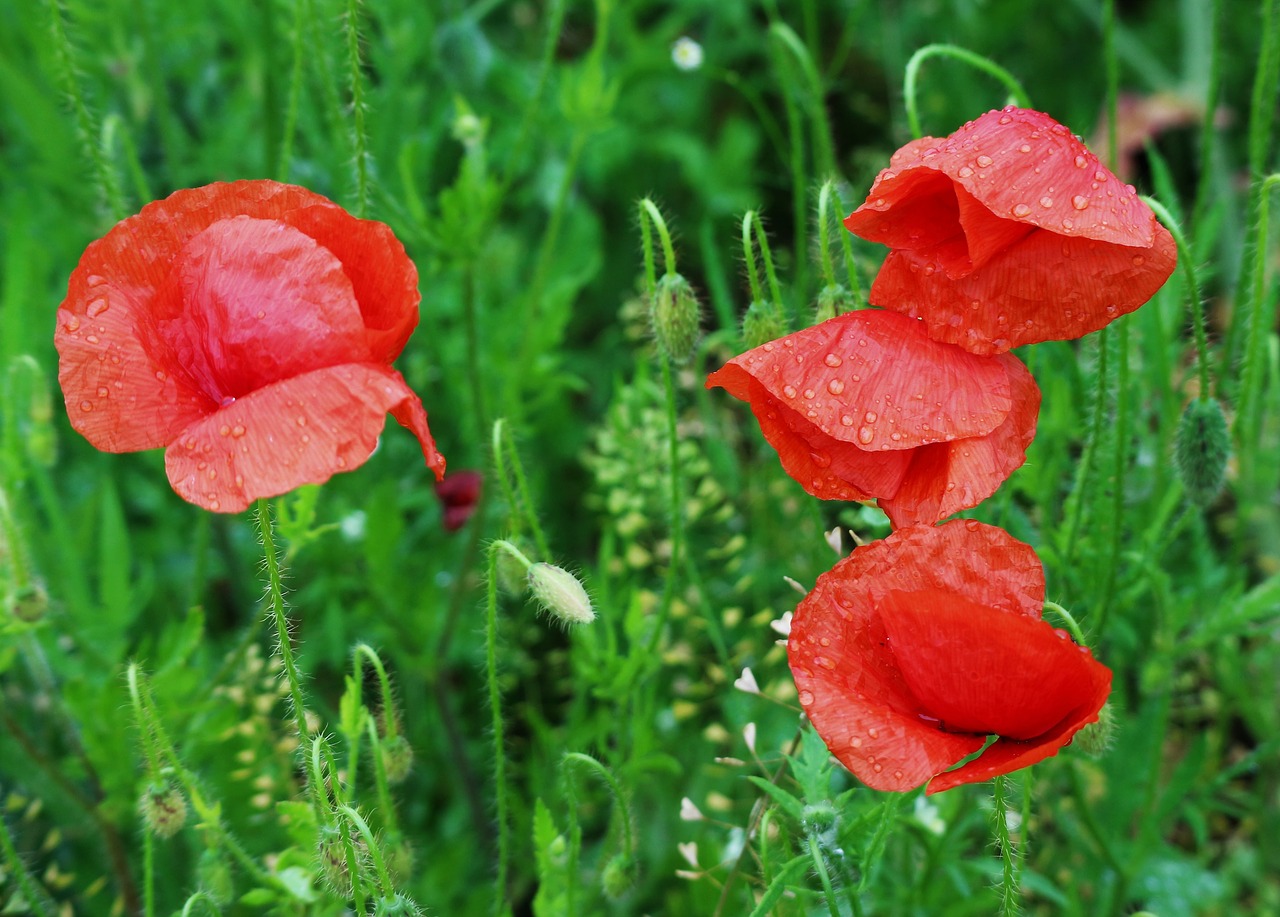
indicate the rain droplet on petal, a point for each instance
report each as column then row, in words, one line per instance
column 1046, row 202
column 86, row 406
column 984, row 161
column 806, row 698
column 846, row 420
column 789, row 391
column 1081, row 162
column 237, row 431
column 866, row 435
column 835, row 386
column 871, row 417
column 833, row 360
column 809, row 393
column 92, row 339
column 1021, row 210
column 1080, row 202
column 96, row 308
column 1025, row 148
column 965, row 172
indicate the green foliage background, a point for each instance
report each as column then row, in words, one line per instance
column 507, row 144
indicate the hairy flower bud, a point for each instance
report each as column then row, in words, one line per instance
column 560, row 594
column 674, row 314
column 163, row 809
column 397, row 758
column 619, row 876
column 832, row 300
column 1201, row 447
column 1095, row 739
column 762, row 323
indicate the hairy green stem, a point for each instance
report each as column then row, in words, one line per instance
column 961, row 54
column 33, row 896
column 820, row 866
column 499, row 745
column 275, row 599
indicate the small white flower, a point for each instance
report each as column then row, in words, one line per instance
column 796, row 586
column 749, row 736
column 689, row 811
column 686, row 54
column 352, row 525
column 747, row 682
column 690, row 853
column 782, row 625
column 835, row 540
column 926, row 814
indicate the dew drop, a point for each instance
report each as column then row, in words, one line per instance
column 897, row 775
column 821, row 459
column 1080, row 202
column 877, row 767
column 1046, row 202
column 340, row 462
column 224, row 430
column 103, row 391
column 261, row 314
column 835, row 386
column 895, row 436
column 72, row 325
column 866, row 435
column 972, row 524
column 768, row 348
column 214, row 504
column 302, row 421
column 825, row 641
column 1081, row 162
column 806, row 698
column 96, row 308
column 237, row 431
column 789, row 391
column 965, row 172
column 1060, row 633
column 984, row 161
column 1005, row 119
column 160, row 375
column 809, row 393
column 1025, row 148
column 855, row 742
column 871, row 417
column 86, row 406
column 1021, row 210
column 1100, row 175
column 92, row 339
column 1138, row 261
column 846, row 420
column 873, row 733
column 832, row 360
column 1067, row 224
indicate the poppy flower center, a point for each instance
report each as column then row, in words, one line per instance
column 982, row 670
column 249, row 302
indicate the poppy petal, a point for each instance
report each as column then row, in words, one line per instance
column 945, row 478
column 1009, row 232
column 253, row 301
column 843, row 662
column 876, row 380
column 982, row 670
column 120, row 396
column 301, row 430
column 1044, row 288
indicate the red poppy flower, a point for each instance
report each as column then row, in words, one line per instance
column 248, row 327
column 459, row 494
column 1010, row 232
column 866, row 405
column 912, row 650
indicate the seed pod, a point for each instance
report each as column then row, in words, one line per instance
column 674, row 315
column 1201, row 448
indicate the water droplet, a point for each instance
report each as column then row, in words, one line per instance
column 71, row 325
column 1021, row 210
column 261, row 314
column 768, row 348
column 340, row 462
column 237, row 431
column 789, row 391
column 809, row 393
column 302, row 421
column 965, row 172
column 873, row 733
column 96, row 308
column 1081, row 162
column 224, row 430
column 887, row 174
column 1100, row 175
column 877, row 767
column 103, row 391
column 86, row 406
column 213, row 474
column 846, row 420
column 897, row 775
column 1080, row 202
column 895, row 436
column 1005, row 119
column 855, row 741
column 879, row 203
column 1046, row 202
column 160, row 375
column 806, row 698
column 866, row 435
column 92, row 339
column 821, row 459
column 833, row 360
column 1025, row 148
column 835, row 386
column 214, row 504
column 972, row 524
column 1067, row 224
column 825, row 641
column 871, row 417
column 984, row 161
column 1138, row 261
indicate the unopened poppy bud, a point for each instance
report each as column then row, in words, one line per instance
column 396, row 906
column 619, row 876
column 397, row 758
column 1095, row 739
column 833, row 300
column 332, row 851
column 762, row 323
column 213, row 874
column 163, row 809
column 819, row 819
column 29, row 603
column 674, row 315
column 1201, row 447
column 560, row 594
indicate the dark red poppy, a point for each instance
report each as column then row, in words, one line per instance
column 866, row 405
column 913, row 650
column 459, row 494
column 249, row 328
column 1009, row 232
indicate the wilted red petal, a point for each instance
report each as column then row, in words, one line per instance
column 993, row 226
column 302, row 430
column 945, row 478
column 459, row 493
column 843, row 662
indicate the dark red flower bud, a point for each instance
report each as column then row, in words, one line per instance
column 459, row 494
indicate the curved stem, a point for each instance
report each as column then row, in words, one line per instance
column 955, row 52
column 1186, row 261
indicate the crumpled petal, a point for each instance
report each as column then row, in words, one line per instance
column 866, row 405
column 301, row 430
column 846, row 661
column 1008, row 232
column 945, row 478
